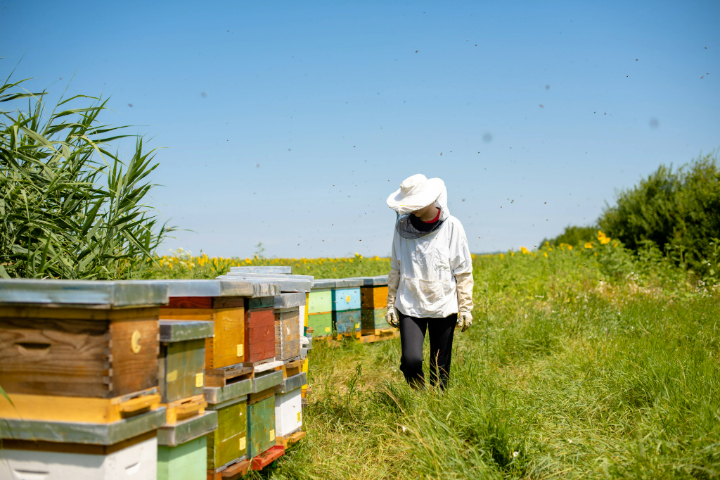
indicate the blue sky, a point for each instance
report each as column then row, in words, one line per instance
column 290, row 124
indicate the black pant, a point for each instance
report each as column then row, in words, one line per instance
column 412, row 336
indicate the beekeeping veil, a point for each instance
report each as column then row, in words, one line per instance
column 417, row 192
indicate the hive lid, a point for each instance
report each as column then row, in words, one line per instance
column 290, row 300
column 288, row 283
column 183, row 431
column 378, row 281
column 280, row 269
column 349, row 282
column 221, row 288
column 324, row 283
column 84, row 293
column 183, row 331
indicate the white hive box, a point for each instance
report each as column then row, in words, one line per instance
column 135, row 462
column 288, row 405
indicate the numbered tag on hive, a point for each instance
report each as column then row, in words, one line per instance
column 299, row 417
column 327, row 329
column 272, row 435
column 242, row 443
column 199, row 380
column 171, row 377
column 240, row 350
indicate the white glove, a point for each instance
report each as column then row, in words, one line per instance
column 392, row 318
column 464, row 321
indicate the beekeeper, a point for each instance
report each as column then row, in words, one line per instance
column 430, row 283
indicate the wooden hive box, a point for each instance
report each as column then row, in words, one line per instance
column 182, row 358
column 374, row 320
column 186, row 461
column 260, row 334
column 261, row 422
column 321, row 324
column 347, row 322
column 287, row 325
column 95, row 339
column 373, row 297
column 223, row 303
column 288, row 405
column 228, row 443
column 287, row 336
column 134, row 458
column 346, row 299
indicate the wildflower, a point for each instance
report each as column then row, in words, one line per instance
column 569, row 247
column 524, row 250
column 603, row 238
column 502, row 256
column 545, row 253
column 588, row 245
column 515, row 454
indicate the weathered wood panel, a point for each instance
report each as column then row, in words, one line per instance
column 79, row 353
column 181, row 370
column 373, row 297
column 190, row 302
column 346, row 322
column 261, row 426
column 287, row 333
column 260, row 335
column 374, row 319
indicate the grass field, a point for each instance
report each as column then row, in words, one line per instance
column 577, row 365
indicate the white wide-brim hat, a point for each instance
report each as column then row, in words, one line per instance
column 415, row 192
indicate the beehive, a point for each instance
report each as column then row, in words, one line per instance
column 134, row 458
column 260, row 333
column 229, row 442
column 319, row 308
column 287, row 325
column 182, row 358
column 186, row 461
column 222, row 302
column 79, row 338
column 261, row 422
column 373, row 295
column 288, row 405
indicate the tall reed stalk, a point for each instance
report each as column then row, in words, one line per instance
column 69, row 208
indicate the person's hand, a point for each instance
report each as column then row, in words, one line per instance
column 464, row 321
column 391, row 317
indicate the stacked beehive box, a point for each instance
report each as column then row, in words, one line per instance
column 319, row 308
column 228, row 378
column 373, row 294
column 79, row 361
column 182, row 441
column 346, row 306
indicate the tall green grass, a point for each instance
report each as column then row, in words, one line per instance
column 69, row 206
column 568, row 372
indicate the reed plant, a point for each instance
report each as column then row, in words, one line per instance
column 69, row 206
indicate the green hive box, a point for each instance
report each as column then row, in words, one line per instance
column 319, row 302
column 229, row 442
column 185, row 462
column 261, row 426
column 321, row 323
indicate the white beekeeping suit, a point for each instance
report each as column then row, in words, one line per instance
column 431, row 272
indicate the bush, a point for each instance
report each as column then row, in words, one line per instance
column 68, row 207
column 679, row 211
column 572, row 235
